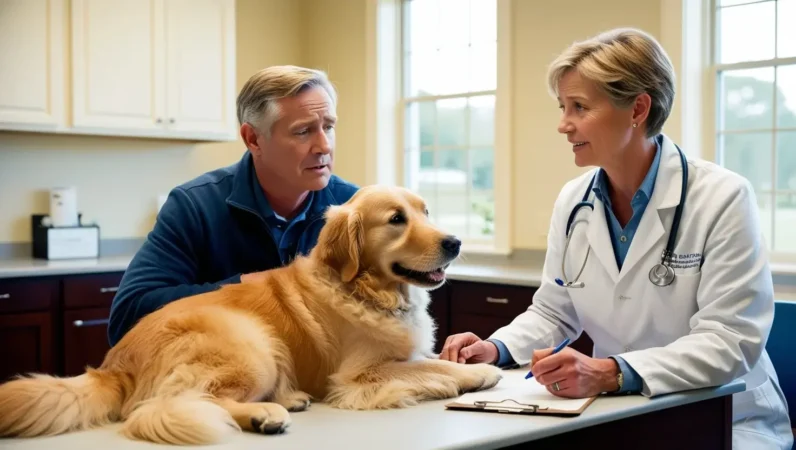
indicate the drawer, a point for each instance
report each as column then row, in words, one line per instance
column 95, row 290
column 496, row 300
column 28, row 294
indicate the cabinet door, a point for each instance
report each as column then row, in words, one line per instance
column 118, row 82
column 26, row 344
column 85, row 339
column 32, row 60
column 200, row 68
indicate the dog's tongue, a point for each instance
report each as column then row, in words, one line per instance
column 437, row 275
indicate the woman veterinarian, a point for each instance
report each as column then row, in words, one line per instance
column 657, row 257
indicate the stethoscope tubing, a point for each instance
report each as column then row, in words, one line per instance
column 656, row 277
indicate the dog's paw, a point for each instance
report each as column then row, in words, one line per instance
column 477, row 377
column 295, row 401
column 268, row 418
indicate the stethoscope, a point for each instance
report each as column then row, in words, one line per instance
column 662, row 274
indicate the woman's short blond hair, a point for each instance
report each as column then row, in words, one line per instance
column 257, row 101
column 624, row 63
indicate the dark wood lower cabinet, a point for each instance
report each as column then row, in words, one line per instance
column 85, row 339
column 54, row 325
column 26, row 344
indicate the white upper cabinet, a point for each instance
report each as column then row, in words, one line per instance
column 200, row 67
column 117, row 71
column 32, row 67
column 139, row 68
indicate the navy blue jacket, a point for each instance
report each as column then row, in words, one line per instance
column 208, row 233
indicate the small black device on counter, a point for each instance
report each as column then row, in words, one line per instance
column 71, row 242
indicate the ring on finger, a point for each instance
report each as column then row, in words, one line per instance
column 555, row 386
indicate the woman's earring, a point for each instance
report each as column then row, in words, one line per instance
column 635, row 125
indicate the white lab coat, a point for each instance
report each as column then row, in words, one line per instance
column 707, row 328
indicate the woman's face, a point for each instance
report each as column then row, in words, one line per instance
column 598, row 131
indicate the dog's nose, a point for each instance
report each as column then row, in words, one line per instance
column 451, row 245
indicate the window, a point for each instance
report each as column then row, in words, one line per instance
column 452, row 151
column 754, row 58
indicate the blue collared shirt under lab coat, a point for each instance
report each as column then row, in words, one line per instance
column 620, row 239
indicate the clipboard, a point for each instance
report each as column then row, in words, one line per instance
column 516, row 395
column 514, row 407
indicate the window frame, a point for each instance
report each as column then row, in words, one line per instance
column 387, row 106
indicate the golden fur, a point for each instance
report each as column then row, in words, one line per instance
column 341, row 325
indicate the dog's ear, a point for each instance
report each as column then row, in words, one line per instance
column 342, row 239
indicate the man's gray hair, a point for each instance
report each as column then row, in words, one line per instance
column 257, row 101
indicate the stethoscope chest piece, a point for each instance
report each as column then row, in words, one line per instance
column 661, row 275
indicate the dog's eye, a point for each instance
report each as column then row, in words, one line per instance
column 397, row 218
column 426, row 211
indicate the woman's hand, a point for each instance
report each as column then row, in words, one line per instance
column 468, row 348
column 577, row 375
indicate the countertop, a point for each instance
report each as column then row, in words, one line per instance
column 426, row 426
column 522, row 272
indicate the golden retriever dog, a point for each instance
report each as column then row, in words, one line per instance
column 346, row 324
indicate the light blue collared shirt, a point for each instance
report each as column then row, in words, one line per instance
column 620, row 239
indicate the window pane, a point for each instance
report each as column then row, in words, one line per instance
column 747, row 99
column 764, row 202
column 420, row 177
column 784, row 219
column 734, row 2
column 454, row 65
column 749, row 154
column 786, row 161
column 420, row 125
column 482, row 161
column 746, row 32
column 420, row 68
column 482, row 215
column 452, row 122
column 786, row 95
column 483, row 21
column 452, row 201
column 482, row 120
column 454, row 23
column 786, row 32
column 483, row 67
column 421, row 24
column 482, row 201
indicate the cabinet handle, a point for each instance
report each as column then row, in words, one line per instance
column 171, row 120
column 105, row 290
column 5, row 296
column 502, row 301
column 158, row 120
column 90, row 323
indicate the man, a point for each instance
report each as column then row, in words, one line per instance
column 229, row 224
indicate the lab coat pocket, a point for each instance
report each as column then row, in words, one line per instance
column 756, row 406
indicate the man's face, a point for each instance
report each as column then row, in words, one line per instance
column 300, row 150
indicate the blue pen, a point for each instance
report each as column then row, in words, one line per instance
column 558, row 348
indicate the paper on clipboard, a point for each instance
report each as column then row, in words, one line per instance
column 516, row 394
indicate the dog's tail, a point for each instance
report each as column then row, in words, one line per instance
column 186, row 418
column 42, row 405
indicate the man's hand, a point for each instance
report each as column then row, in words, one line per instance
column 578, row 375
column 468, row 348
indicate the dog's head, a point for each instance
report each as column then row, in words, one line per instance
column 385, row 232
